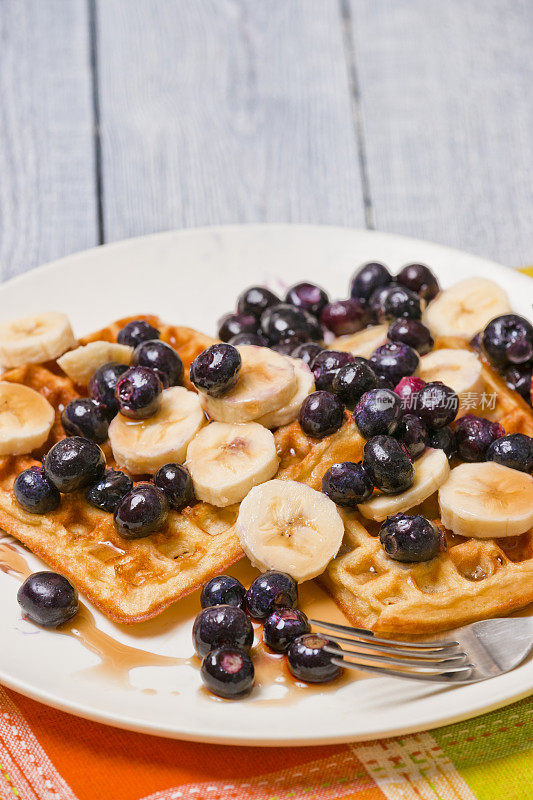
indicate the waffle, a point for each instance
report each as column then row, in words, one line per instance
column 473, row 579
column 133, row 580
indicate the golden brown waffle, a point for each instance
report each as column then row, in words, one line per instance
column 128, row 580
column 473, row 579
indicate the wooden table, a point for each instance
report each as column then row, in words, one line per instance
column 124, row 117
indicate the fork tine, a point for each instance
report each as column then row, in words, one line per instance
column 440, row 664
column 440, row 677
column 366, row 634
column 397, row 651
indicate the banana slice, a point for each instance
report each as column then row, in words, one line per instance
column 266, row 383
column 80, row 364
column 226, row 460
column 431, row 470
column 26, row 419
column 465, row 308
column 305, row 381
column 363, row 343
column 461, row 370
column 144, row 446
column 34, row 339
column 487, row 501
column 288, row 526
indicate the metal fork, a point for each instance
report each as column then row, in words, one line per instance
column 469, row 654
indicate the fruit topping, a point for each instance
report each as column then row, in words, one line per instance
column 344, row 316
column 234, row 324
column 162, row 358
column 353, row 380
column 103, row 383
column 26, row 419
column 74, row 463
column 410, row 538
column 141, row 512
column 419, row 279
column 520, row 378
column 35, row 339
column 307, row 352
column 413, row 333
column 407, row 390
column 228, row 672
column 136, row 332
column 398, row 302
column 309, row 661
column 85, row 417
column 248, row 338
column 107, row 492
column 326, row 365
column 347, row 484
column 321, row 413
column 443, row 439
column 216, row 369
column 270, row 591
column 474, row 435
column 279, row 322
column 255, row 300
column 176, row 483
column 388, row 464
column 412, row 433
column 48, row 599
column 514, row 450
column 282, row 627
column 81, row 364
column 223, row 590
column 437, row 404
column 394, row 361
column 216, row 626
column 508, row 340
column 308, row 297
column 34, row 492
column 465, row 308
column 305, row 383
column 378, row 411
column 367, row 279
column 138, row 393
column 459, row 369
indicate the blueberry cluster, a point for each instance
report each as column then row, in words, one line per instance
column 507, row 342
column 223, row 634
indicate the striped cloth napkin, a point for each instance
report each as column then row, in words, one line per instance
column 46, row 754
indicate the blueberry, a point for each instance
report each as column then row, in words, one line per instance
column 138, row 393
column 107, row 492
column 269, row 591
column 136, row 332
column 162, row 358
column 176, row 482
column 48, row 599
column 400, row 302
column 368, row 279
column 420, row 279
column 412, row 433
column 352, row 381
column 141, row 512
column 384, row 383
column 288, row 345
column 321, row 413
column 228, row 672
column 34, row 492
column 413, row 333
column 378, row 411
column 255, row 300
column 103, row 383
column 223, row 591
column 248, row 338
column 85, row 417
column 437, row 404
column 388, row 463
column 520, row 379
column 395, row 361
column 307, row 296
column 215, row 626
column 508, row 339
column 407, row 390
column 475, row 341
column 443, row 439
column 74, row 463
column 281, row 321
column 347, row 484
column 344, row 316
column 474, row 435
column 410, row 538
column 376, row 309
column 514, row 450
column 232, row 324
column 326, row 365
column 308, row 660
column 282, row 627
column 216, row 369
column 307, row 351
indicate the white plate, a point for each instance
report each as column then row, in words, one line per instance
column 191, row 278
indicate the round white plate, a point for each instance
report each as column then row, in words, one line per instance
column 191, row 278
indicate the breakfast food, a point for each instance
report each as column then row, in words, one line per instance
column 392, row 465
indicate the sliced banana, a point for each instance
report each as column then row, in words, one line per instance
column 26, row 419
column 267, row 382
column 34, row 339
column 287, row 526
column 305, row 381
column 465, row 308
column 487, row 501
column 80, row 364
column 363, row 343
column 227, row 459
column 431, row 470
column 143, row 446
column 461, row 370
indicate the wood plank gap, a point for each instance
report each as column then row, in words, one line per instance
column 93, row 42
column 357, row 116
